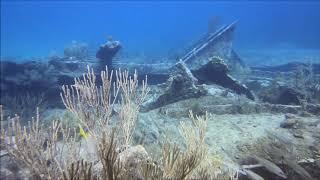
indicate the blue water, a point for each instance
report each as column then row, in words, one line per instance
column 152, row 29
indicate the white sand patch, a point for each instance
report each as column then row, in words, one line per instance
column 226, row 132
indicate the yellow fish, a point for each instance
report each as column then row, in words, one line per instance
column 83, row 133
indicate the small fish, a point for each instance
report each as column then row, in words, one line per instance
column 270, row 166
column 252, row 175
column 83, row 133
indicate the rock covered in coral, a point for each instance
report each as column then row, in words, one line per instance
column 107, row 51
column 216, row 71
column 132, row 156
column 289, row 121
column 181, row 85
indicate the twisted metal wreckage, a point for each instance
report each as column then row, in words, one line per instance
column 200, row 59
column 217, row 44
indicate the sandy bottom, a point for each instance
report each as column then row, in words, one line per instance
column 229, row 135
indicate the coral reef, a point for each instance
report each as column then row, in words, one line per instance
column 55, row 153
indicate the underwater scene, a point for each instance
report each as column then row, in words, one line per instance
column 174, row 90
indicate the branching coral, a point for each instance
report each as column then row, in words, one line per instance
column 48, row 158
column 25, row 104
column 55, row 154
column 79, row 170
column 108, row 155
column 177, row 163
column 307, row 81
column 93, row 104
column 37, row 148
column 130, row 103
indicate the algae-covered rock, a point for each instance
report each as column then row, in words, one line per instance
column 181, row 85
column 216, row 71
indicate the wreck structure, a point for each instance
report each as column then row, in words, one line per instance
column 217, row 44
column 203, row 60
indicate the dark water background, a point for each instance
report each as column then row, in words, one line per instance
column 153, row 29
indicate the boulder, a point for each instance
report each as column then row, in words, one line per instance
column 289, row 121
column 132, row 156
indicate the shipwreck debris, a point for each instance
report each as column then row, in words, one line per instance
column 181, row 85
column 217, row 44
column 214, row 44
column 216, row 71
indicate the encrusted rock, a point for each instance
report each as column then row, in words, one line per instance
column 290, row 121
column 298, row 135
column 132, row 156
column 290, row 116
column 107, row 51
column 216, row 71
column 181, row 85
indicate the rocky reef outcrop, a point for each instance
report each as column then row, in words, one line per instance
column 216, row 71
column 106, row 52
column 185, row 84
column 180, row 85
